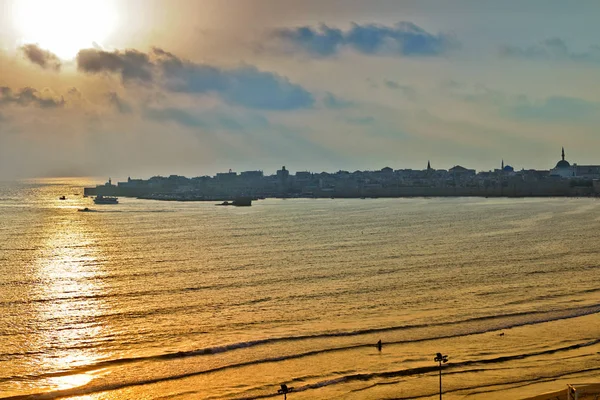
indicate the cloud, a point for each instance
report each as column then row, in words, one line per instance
column 555, row 108
column 551, row 49
column 334, row 102
column 521, row 107
column 209, row 120
column 119, row 104
column 130, row 64
column 171, row 114
column 408, row 91
column 483, row 95
column 402, row 39
column 368, row 120
column 245, row 85
column 30, row 96
column 41, row 57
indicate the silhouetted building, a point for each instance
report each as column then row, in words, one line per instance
column 283, row 173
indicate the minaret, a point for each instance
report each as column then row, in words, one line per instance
column 563, row 154
column 502, row 168
column 428, row 166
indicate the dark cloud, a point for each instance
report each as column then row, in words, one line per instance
column 130, row 64
column 249, row 87
column 552, row 49
column 402, row 39
column 408, row 91
column 119, row 104
column 323, row 41
column 30, row 96
column 244, row 86
column 41, row 57
column 332, row 101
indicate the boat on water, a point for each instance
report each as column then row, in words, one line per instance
column 238, row 202
column 105, row 199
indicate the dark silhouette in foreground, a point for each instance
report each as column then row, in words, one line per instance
column 285, row 390
column 379, row 345
column 441, row 359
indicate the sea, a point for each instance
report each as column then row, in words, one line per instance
column 150, row 299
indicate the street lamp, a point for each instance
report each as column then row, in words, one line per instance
column 441, row 359
column 284, row 391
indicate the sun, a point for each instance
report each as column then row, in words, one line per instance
column 64, row 26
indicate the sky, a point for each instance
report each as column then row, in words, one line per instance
column 193, row 87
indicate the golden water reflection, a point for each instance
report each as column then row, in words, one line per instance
column 69, row 270
column 71, row 381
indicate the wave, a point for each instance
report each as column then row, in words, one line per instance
column 125, row 295
column 446, row 367
column 91, row 389
column 259, row 342
column 124, row 276
column 493, row 387
column 551, row 296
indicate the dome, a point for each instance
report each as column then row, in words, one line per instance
column 508, row 168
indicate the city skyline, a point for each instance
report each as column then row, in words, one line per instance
column 98, row 88
column 429, row 165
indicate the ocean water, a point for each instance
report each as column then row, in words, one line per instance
column 157, row 300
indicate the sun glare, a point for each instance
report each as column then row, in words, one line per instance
column 64, row 26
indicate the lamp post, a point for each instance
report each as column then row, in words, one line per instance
column 284, row 390
column 441, row 359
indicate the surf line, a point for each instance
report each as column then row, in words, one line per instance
column 79, row 391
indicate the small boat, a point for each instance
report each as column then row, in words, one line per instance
column 105, row 200
column 84, row 210
column 238, row 202
column 62, row 198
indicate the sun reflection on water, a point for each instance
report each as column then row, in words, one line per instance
column 68, row 270
column 70, row 381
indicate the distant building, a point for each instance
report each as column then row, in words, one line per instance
column 460, row 171
column 563, row 168
column 283, row 173
column 587, row 171
column 303, row 176
column 251, row 174
column 226, row 176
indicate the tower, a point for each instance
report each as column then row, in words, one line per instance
column 563, row 153
column 428, row 166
